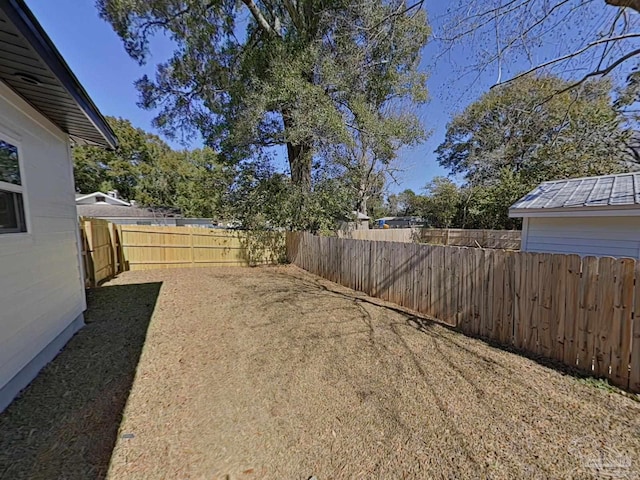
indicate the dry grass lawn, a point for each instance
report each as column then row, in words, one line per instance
column 274, row 373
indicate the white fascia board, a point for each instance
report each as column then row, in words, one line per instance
column 608, row 211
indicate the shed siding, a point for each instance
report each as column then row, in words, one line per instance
column 41, row 288
column 599, row 236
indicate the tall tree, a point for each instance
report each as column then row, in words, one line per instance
column 523, row 133
column 249, row 75
column 540, row 136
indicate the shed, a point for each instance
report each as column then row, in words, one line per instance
column 43, row 112
column 597, row 216
column 355, row 221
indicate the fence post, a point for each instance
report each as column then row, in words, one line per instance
column 122, row 262
column 193, row 260
column 114, row 255
column 84, row 253
column 87, row 226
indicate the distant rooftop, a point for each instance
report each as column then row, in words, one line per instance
column 400, row 219
column 100, row 198
column 607, row 191
column 114, row 211
column 359, row 216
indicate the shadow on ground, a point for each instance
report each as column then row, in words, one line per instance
column 425, row 324
column 64, row 425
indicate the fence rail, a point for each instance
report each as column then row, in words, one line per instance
column 501, row 239
column 109, row 249
column 579, row 311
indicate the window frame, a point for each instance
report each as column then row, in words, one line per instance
column 19, row 189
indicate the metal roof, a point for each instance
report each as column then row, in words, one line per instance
column 607, row 191
column 31, row 65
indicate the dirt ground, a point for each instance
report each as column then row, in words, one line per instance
column 274, row 373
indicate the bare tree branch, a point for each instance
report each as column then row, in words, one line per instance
column 602, row 72
column 257, row 14
column 575, row 54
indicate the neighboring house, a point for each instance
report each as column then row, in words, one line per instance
column 108, row 206
column 597, row 216
column 43, row 111
column 99, row 198
column 399, row 222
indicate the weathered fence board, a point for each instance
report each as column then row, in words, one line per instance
column 579, row 311
column 634, row 382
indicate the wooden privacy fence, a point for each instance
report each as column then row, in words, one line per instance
column 109, row 249
column 145, row 248
column 579, row 311
column 100, row 250
column 383, row 235
column 502, row 239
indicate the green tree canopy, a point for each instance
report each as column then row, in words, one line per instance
column 526, row 128
column 144, row 168
column 441, row 202
column 523, row 133
column 250, row 75
column 99, row 169
column 259, row 198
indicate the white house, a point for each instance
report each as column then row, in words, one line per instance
column 43, row 112
column 597, row 216
column 107, row 206
column 99, row 198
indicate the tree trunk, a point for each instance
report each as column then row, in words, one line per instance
column 634, row 4
column 363, row 197
column 300, row 164
column 299, row 156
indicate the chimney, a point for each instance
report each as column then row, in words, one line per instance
column 113, row 193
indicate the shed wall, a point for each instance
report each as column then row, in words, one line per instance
column 598, row 236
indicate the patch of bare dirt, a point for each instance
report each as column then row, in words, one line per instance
column 275, row 373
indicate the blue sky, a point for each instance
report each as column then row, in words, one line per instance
column 97, row 57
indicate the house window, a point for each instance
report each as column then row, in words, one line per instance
column 12, row 219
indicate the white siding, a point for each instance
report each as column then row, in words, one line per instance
column 599, row 236
column 41, row 290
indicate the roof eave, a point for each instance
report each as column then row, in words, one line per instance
column 28, row 26
column 594, row 211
